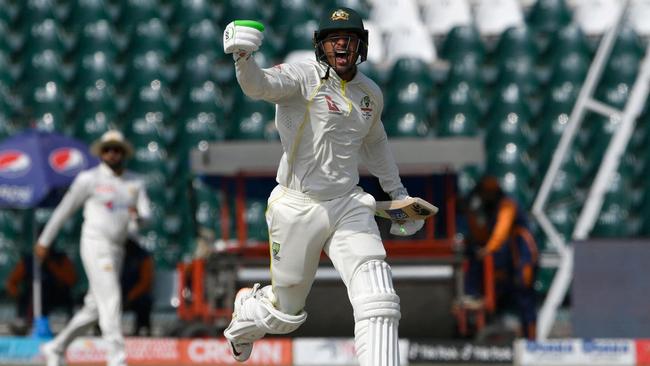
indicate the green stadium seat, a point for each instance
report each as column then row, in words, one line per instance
column 91, row 125
column 404, row 122
column 42, row 36
column 145, row 69
column 39, row 69
column 6, row 48
column 621, row 69
column 407, row 70
column 466, row 71
column 544, row 279
column 91, row 68
column 615, row 210
column 462, row 42
column 133, row 12
column 150, row 35
column 515, row 43
column 251, row 120
column 151, row 160
column 519, row 71
column 8, row 123
column 85, row 12
column 572, row 68
column 257, row 229
column 203, row 37
column 185, row 14
column 33, row 12
column 629, row 42
column 285, row 15
column 97, row 37
column 208, row 203
column 6, row 12
column 565, row 42
column 245, row 9
column 458, row 112
column 547, row 16
column 7, row 79
column 509, row 117
column 467, row 178
column 299, row 35
column 563, row 215
column 45, row 107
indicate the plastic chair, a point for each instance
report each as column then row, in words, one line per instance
column 596, row 16
column 150, row 35
column 493, row 17
column 45, row 35
column 145, row 68
column 91, row 68
column 547, row 16
column 458, row 112
column 412, row 41
column 441, row 16
column 91, row 125
column 86, row 12
column 463, row 41
column 187, row 13
column 251, row 120
column 95, row 37
column 406, row 121
column 638, row 14
column 395, row 14
column 133, row 12
column 202, row 37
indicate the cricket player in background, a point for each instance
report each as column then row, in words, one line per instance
column 115, row 202
column 328, row 117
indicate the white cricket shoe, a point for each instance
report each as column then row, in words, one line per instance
column 241, row 348
column 53, row 357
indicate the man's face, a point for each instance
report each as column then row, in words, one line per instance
column 342, row 51
column 113, row 156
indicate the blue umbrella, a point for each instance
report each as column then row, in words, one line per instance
column 34, row 165
column 35, row 168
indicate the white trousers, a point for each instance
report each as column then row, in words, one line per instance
column 102, row 262
column 300, row 228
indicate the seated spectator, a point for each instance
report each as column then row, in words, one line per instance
column 58, row 276
column 499, row 227
column 137, row 285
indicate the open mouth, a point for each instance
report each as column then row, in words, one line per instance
column 341, row 57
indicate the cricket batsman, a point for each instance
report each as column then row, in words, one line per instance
column 328, row 117
column 115, row 202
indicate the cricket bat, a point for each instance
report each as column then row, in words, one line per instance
column 412, row 208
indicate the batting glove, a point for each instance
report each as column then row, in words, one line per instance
column 404, row 228
column 242, row 37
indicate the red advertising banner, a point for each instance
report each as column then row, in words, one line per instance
column 189, row 352
column 643, row 352
column 216, row 352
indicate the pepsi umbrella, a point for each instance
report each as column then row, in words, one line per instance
column 36, row 165
column 35, row 168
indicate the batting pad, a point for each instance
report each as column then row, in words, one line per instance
column 376, row 313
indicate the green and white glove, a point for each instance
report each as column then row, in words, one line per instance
column 242, row 37
column 404, row 228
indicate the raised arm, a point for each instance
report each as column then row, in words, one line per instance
column 242, row 38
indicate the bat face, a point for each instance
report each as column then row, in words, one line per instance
column 407, row 209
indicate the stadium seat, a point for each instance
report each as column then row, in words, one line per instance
column 547, row 16
column 516, row 42
column 466, row 179
column 519, row 71
column 462, row 41
column 207, row 207
column 90, row 68
column 45, row 35
column 596, row 17
column 377, row 52
column 566, row 41
column 96, row 37
column 7, row 79
column 615, row 210
column 621, row 69
column 148, row 115
column 6, row 13
column 406, row 121
column 202, row 37
column 251, row 120
column 44, row 108
column 285, row 15
column 86, row 12
column 509, row 114
column 638, row 13
column 244, row 9
column 493, row 17
column 408, row 70
column 134, row 12
column 458, row 111
column 143, row 69
column 185, row 14
column 410, row 41
column 571, row 69
column 90, row 126
column 441, row 16
column 33, row 12
column 149, row 35
column 300, row 36
column 254, row 215
column 390, row 15
column 97, row 97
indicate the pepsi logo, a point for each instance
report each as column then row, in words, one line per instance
column 67, row 160
column 14, row 163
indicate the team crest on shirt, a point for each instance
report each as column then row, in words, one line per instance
column 275, row 249
column 367, row 106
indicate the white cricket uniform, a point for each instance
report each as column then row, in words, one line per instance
column 106, row 198
column 326, row 126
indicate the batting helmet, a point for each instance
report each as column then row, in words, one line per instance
column 337, row 20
